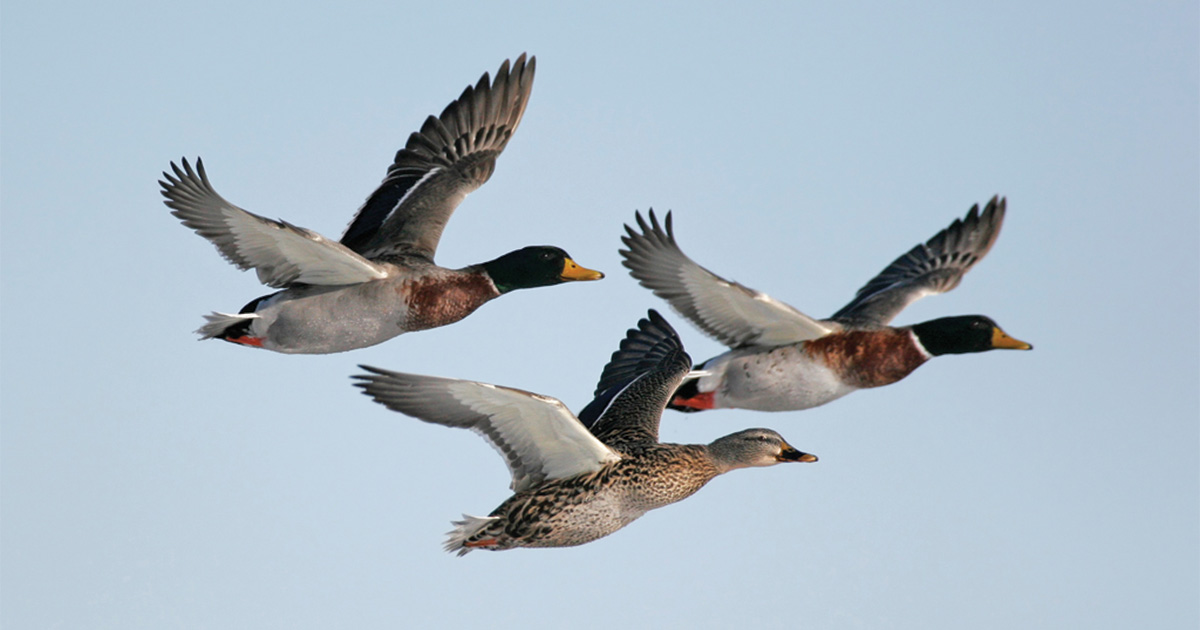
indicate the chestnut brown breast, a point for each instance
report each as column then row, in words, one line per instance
column 868, row 358
column 445, row 299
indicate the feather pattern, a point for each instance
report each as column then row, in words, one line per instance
column 731, row 313
column 642, row 374
column 537, row 435
column 542, row 443
column 782, row 360
column 933, row 267
column 452, row 155
column 380, row 280
column 281, row 253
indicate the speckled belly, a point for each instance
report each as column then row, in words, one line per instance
column 582, row 523
column 574, row 511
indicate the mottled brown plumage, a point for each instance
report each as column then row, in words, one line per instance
column 557, row 514
column 573, row 486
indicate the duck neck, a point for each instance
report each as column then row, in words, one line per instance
column 724, row 456
column 500, row 275
column 521, row 269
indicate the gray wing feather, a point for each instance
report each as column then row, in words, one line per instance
column 937, row 266
column 452, row 155
column 636, row 384
column 731, row 313
column 281, row 253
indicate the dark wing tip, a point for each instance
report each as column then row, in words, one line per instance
column 645, row 348
column 654, row 225
column 975, row 233
column 651, row 230
column 183, row 185
column 637, row 382
column 655, row 323
column 178, row 174
column 370, row 368
column 467, row 136
column 653, row 337
column 520, row 67
column 940, row 262
column 376, row 376
column 993, row 213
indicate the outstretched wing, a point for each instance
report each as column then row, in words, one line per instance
column 731, row 313
column 452, row 155
column 936, row 266
column 637, row 383
column 537, row 435
column 280, row 252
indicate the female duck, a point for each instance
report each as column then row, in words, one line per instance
column 380, row 280
column 784, row 360
column 573, row 486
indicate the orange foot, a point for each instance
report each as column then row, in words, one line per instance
column 698, row 402
column 247, row 340
column 483, row 542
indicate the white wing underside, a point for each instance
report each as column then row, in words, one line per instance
column 743, row 311
column 281, row 253
column 541, row 430
column 538, row 436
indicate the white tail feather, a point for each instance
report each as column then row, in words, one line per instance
column 464, row 530
column 218, row 322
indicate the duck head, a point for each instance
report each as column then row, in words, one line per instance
column 964, row 334
column 754, row 447
column 536, row 266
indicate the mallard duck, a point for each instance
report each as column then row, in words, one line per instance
column 380, row 280
column 783, row 360
column 571, row 485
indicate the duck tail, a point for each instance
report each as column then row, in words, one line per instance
column 226, row 325
column 464, row 530
column 688, row 398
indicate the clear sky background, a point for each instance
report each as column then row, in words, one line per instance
column 152, row 481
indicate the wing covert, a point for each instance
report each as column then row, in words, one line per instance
column 452, row 155
column 731, row 313
column 537, row 435
column 933, row 267
column 281, row 253
column 636, row 383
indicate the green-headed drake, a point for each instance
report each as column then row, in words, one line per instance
column 783, row 360
column 573, row 485
column 380, row 280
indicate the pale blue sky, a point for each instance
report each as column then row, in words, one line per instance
column 151, row 481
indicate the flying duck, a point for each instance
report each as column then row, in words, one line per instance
column 571, row 485
column 379, row 280
column 781, row 359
